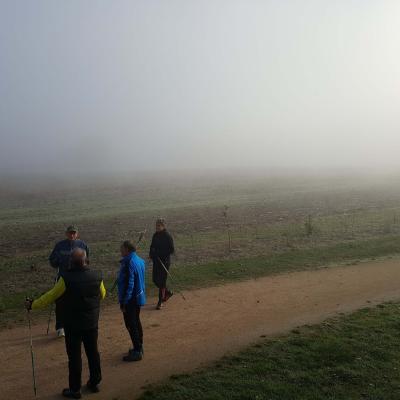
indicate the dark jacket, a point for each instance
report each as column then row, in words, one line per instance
column 161, row 248
column 162, row 245
column 81, row 298
column 61, row 255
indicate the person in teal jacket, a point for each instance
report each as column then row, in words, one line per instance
column 132, row 296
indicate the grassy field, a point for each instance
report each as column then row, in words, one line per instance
column 350, row 357
column 274, row 225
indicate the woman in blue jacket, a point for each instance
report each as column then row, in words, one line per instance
column 132, row 296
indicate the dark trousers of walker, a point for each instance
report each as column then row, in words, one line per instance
column 59, row 314
column 133, row 325
column 73, row 343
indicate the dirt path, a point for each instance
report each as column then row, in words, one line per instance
column 188, row 334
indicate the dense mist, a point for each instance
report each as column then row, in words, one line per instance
column 107, row 86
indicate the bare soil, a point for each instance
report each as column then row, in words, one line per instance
column 189, row 334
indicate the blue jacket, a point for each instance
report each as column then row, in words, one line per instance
column 131, row 280
column 60, row 257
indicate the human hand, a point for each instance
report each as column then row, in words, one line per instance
column 28, row 303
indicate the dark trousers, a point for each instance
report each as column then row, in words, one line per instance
column 133, row 325
column 59, row 314
column 162, row 293
column 73, row 342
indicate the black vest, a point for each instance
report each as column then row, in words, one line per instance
column 81, row 300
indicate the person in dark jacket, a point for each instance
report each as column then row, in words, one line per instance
column 60, row 259
column 132, row 296
column 82, row 289
column 161, row 249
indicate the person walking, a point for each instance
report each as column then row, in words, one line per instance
column 82, row 289
column 161, row 249
column 60, row 259
column 132, row 296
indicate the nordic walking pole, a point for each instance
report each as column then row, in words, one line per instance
column 51, row 307
column 32, row 354
column 48, row 322
column 169, row 274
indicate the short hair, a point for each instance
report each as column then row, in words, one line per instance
column 79, row 255
column 128, row 245
column 79, row 252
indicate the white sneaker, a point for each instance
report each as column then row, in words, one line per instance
column 60, row 333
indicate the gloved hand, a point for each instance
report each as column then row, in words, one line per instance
column 28, row 303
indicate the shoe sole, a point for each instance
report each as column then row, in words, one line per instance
column 91, row 390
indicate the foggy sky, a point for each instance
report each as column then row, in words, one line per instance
column 147, row 85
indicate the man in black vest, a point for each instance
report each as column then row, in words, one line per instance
column 82, row 289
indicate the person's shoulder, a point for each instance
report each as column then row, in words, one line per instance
column 98, row 273
column 81, row 243
column 63, row 273
column 133, row 257
column 95, row 272
column 130, row 259
column 61, row 243
column 137, row 259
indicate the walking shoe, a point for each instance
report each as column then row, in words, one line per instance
column 71, row 395
column 168, row 295
column 159, row 305
column 60, row 332
column 92, row 388
column 133, row 356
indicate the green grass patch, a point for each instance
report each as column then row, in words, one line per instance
column 221, row 272
column 351, row 357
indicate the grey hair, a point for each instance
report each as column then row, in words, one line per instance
column 161, row 221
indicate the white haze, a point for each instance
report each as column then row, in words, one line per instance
column 149, row 85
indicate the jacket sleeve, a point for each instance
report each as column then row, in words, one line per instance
column 129, row 282
column 51, row 296
column 102, row 290
column 54, row 258
column 152, row 252
column 87, row 251
column 171, row 244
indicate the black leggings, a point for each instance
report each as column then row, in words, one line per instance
column 73, row 342
column 133, row 325
column 60, row 314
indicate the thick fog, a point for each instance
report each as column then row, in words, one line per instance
column 147, row 85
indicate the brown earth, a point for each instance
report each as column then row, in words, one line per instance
column 188, row 334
